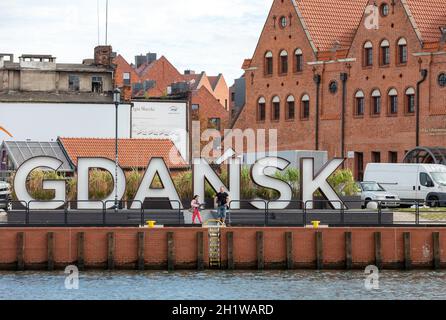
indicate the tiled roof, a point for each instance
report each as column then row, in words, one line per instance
column 213, row 80
column 429, row 16
column 329, row 22
column 193, row 80
column 133, row 153
column 144, row 68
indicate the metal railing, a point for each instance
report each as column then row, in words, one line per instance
column 418, row 213
column 264, row 202
column 65, row 208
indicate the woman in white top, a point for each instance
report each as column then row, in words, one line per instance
column 195, row 205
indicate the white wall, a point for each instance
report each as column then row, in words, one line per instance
column 47, row 121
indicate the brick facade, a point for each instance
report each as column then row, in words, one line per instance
column 389, row 134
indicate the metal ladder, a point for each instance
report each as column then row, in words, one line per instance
column 214, row 247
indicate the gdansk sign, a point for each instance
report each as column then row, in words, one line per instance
column 262, row 174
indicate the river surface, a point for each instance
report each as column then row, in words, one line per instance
column 214, row 285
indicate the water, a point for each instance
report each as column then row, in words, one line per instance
column 210, row 285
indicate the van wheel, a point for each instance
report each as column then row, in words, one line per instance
column 432, row 202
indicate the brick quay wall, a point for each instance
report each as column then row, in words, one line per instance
column 240, row 248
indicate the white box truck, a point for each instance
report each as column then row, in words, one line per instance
column 411, row 182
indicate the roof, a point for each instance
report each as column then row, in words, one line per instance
column 133, row 153
column 329, row 22
column 142, row 69
column 429, row 16
column 36, row 56
column 213, row 80
column 21, row 151
column 77, row 67
column 434, row 155
column 50, row 97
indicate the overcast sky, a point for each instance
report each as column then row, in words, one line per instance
column 203, row 35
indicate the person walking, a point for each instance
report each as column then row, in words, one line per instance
column 222, row 199
column 195, row 205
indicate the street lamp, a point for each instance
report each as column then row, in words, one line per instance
column 116, row 100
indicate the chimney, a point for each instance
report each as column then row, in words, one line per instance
column 143, row 59
column 189, row 72
column 151, row 57
column 103, row 56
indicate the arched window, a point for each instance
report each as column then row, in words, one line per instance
column 410, row 100
column 393, row 101
column 385, row 53
column 275, row 112
column 376, row 102
column 368, row 54
column 283, row 62
column 402, row 51
column 261, row 110
column 291, row 108
column 298, row 61
column 359, row 103
column 269, row 63
column 305, row 107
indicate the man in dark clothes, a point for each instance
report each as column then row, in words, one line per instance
column 222, row 199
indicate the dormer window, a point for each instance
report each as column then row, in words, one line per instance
column 402, row 51
column 73, row 83
column 384, row 10
column 393, row 101
column 385, row 53
column 261, row 110
column 376, row 102
column 368, row 54
column 410, row 100
column 275, row 114
column 96, row 84
column 290, row 113
column 283, row 62
column 269, row 63
column 283, row 22
column 359, row 108
column 299, row 60
column 305, row 107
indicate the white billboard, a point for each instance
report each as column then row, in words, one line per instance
column 48, row 121
column 162, row 120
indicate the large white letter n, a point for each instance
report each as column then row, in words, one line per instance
column 310, row 182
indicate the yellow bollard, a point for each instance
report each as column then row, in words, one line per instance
column 316, row 224
column 151, row 223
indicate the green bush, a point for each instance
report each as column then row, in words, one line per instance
column 343, row 182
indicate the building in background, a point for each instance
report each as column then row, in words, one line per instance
column 362, row 79
column 14, row 153
column 41, row 78
column 154, row 79
column 237, row 94
column 134, row 154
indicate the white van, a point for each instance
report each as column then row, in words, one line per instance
column 422, row 182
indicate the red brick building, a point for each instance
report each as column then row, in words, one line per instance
column 208, row 96
column 358, row 77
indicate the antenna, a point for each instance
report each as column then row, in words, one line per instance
column 99, row 25
column 106, row 23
